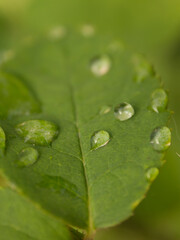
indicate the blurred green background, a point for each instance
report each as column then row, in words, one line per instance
column 151, row 27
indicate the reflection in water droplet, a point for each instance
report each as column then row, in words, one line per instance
column 57, row 33
column 159, row 100
column 100, row 65
column 87, row 30
column 124, row 111
column 142, row 67
column 152, row 174
column 16, row 98
column 38, row 132
column 104, row 110
column 27, row 157
column 161, row 138
column 99, row 139
column 2, row 140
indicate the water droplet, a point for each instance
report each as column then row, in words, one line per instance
column 100, row 65
column 104, row 110
column 2, row 140
column 57, row 33
column 124, row 111
column 142, row 67
column 161, row 138
column 159, row 100
column 16, row 99
column 152, row 173
column 39, row 132
column 99, row 139
column 87, row 30
column 27, row 157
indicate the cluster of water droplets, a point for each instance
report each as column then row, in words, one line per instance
column 160, row 138
column 43, row 133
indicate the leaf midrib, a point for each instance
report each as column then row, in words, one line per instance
column 73, row 100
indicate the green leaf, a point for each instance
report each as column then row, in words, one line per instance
column 87, row 188
column 22, row 219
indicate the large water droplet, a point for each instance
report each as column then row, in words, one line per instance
column 39, row 132
column 16, row 99
column 142, row 67
column 124, row 111
column 104, row 109
column 27, row 157
column 99, row 139
column 2, row 140
column 159, row 100
column 152, row 173
column 100, row 65
column 161, row 138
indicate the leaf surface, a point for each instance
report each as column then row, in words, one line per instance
column 87, row 189
column 21, row 219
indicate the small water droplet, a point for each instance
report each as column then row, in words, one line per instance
column 87, row 30
column 57, row 33
column 104, row 110
column 39, row 132
column 142, row 67
column 100, row 65
column 161, row 138
column 27, row 157
column 159, row 100
column 124, row 111
column 99, row 139
column 2, row 140
column 152, row 173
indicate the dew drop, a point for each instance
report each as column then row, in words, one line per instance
column 124, row 111
column 87, row 30
column 159, row 100
column 99, row 139
column 100, row 65
column 2, row 140
column 104, row 110
column 152, row 173
column 142, row 67
column 161, row 138
column 39, row 132
column 27, row 157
